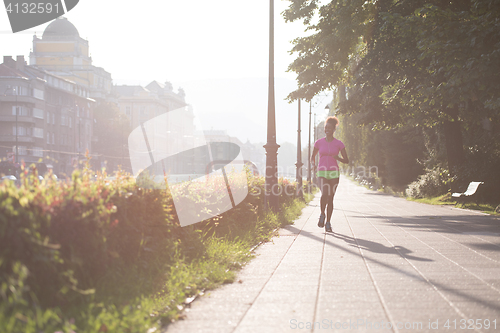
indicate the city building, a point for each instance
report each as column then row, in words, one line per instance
column 47, row 111
column 173, row 118
column 51, row 100
column 140, row 104
column 63, row 52
column 43, row 117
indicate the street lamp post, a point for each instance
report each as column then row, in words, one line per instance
column 271, row 145
column 315, row 130
column 299, row 162
column 17, row 130
column 309, row 147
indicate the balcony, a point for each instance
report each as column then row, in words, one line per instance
column 18, row 99
column 20, row 138
column 20, row 119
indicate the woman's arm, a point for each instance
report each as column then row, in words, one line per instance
column 344, row 158
column 313, row 155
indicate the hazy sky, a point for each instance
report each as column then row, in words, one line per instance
column 217, row 51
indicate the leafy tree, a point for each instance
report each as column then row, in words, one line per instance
column 432, row 64
column 324, row 57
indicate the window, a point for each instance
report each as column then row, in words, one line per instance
column 64, row 139
column 53, row 118
column 38, row 132
column 48, row 117
column 21, row 150
column 20, row 91
column 48, row 138
column 38, row 113
column 21, row 130
column 37, row 93
column 37, row 151
column 21, row 110
column 144, row 111
column 70, row 121
column 53, row 139
column 127, row 111
column 64, row 120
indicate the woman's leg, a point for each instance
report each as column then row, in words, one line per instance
column 332, row 185
column 324, row 186
column 323, row 201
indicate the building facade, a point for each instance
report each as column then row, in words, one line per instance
column 173, row 119
column 141, row 104
column 43, row 117
column 63, row 52
column 47, row 107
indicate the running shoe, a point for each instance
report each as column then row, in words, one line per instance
column 328, row 227
column 321, row 222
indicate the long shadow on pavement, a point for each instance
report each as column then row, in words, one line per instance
column 377, row 247
column 438, row 285
column 468, row 224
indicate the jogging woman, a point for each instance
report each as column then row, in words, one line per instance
column 328, row 169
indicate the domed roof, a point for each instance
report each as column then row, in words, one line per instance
column 60, row 28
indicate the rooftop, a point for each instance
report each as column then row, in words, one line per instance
column 60, row 28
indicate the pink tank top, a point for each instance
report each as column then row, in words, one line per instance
column 327, row 152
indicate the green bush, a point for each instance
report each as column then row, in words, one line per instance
column 433, row 183
column 83, row 253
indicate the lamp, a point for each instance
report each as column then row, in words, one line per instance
column 271, row 146
column 299, row 161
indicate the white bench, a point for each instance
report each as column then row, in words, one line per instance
column 471, row 189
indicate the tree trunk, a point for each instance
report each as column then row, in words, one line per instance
column 454, row 143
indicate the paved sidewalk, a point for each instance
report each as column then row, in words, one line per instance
column 390, row 265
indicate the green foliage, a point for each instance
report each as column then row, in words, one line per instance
column 402, row 60
column 324, row 57
column 427, row 66
column 392, row 154
column 91, row 255
column 433, row 183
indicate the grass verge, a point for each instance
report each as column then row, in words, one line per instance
column 446, row 199
column 187, row 278
column 184, row 279
column 224, row 257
